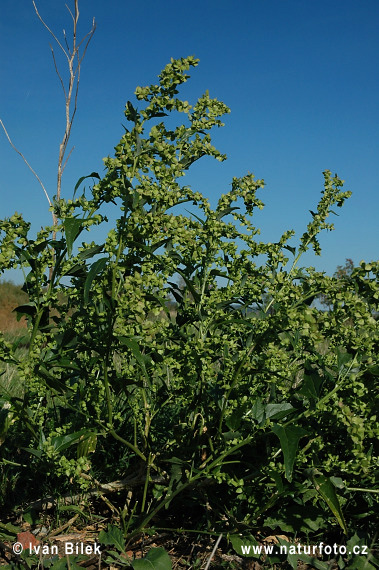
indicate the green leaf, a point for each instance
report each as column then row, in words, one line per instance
column 26, row 309
column 225, row 212
column 156, row 559
column 96, row 268
column 258, row 411
column 343, row 358
column 113, row 537
column 277, row 411
column 290, row 248
column 241, row 545
column 72, row 228
column 90, row 251
column 142, row 359
column 289, row 438
column 310, row 388
column 62, row 442
column 92, row 175
column 51, row 380
column 8, row 531
column 361, row 563
column 61, row 564
column 87, row 444
column 324, row 486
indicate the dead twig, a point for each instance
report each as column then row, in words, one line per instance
column 26, row 162
column 102, row 489
column 213, row 552
column 74, row 61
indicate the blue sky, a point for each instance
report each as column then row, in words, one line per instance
column 301, row 79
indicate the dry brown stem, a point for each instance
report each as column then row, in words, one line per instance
column 28, row 165
column 74, row 62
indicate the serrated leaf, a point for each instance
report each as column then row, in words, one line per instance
column 289, row 437
column 9, row 531
column 343, row 358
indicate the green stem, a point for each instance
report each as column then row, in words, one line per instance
column 234, row 381
column 148, row 467
column 127, row 443
column 190, row 481
column 108, row 393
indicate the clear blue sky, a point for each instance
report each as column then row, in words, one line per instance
column 301, row 78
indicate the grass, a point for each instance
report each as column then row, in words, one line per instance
column 11, row 296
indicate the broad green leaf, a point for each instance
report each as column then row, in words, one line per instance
column 96, row 268
column 343, row 358
column 258, row 411
column 72, row 228
column 245, row 545
column 289, row 438
column 61, row 564
column 75, row 270
column 156, row 559
column 313, row 562
column 113, row 537
column 8, row 531
column 277, row 411
column 327, row 491
column 362, row 563
column 62, row 442
column 51, row 380
column 67, row 563
column 74, row 509
column 26, row 309
column 310, row 388
column 234, row 420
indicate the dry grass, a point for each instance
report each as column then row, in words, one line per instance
column 11, row 296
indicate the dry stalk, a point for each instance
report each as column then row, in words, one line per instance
column 28, row 165
column 74, row 61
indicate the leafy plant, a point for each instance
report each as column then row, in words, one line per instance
column 240, row 399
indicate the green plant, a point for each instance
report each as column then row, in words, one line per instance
column 243, row 400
